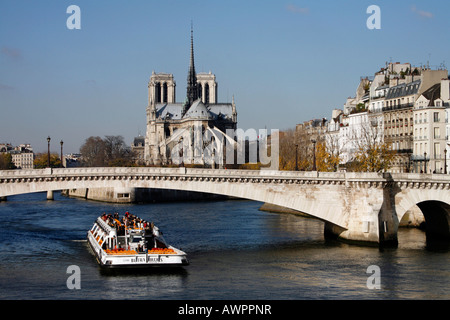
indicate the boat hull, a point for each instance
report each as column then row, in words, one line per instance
column 138, row 260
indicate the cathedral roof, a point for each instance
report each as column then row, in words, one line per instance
column 221, row 111
column 172, row 111
column 198, row 111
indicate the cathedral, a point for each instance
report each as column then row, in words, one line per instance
column 171, row 125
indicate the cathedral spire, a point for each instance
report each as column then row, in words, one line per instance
column 192, row 90
column 192, row 65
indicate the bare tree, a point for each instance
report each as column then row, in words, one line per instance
column 93, row 152
column 117, row 153
column 111, row 151
column 335, row 146
column 372, row 153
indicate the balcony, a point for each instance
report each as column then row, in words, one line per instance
column 404, row 151
column 398, row 107
column 416, row 157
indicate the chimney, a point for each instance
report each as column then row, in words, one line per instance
column 393, row 82
column 445, row 91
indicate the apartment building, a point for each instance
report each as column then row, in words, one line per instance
column 430, row 126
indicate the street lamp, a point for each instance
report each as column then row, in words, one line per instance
column 48, row 151
column 296, row 157
column 314, row 154
column 62, row 153
column 445, row 160
column 425, row 162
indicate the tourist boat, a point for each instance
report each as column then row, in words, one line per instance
column 131, row 242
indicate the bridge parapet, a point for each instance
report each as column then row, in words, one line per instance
column 359, row 179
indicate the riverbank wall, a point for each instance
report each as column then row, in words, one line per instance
column 413, row 218
column 139, row 195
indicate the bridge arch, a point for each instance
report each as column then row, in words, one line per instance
column 434, row 204
column 437, row 218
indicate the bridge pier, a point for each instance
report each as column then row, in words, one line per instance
column 371, row 217
column 3, row 199
column 50, row 195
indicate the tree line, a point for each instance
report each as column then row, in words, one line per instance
column 111, row 151
column 6, row 162
column 371, row 154
column 296, row 152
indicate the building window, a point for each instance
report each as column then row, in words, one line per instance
column 436, row 116
column 200, row 90
column 437, row 150
column 206, row 93
column 158, row 92
column 164, row 92
column 437, row 133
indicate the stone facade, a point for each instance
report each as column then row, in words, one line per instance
column 430, row 122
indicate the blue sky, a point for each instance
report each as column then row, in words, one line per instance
column 285, row 62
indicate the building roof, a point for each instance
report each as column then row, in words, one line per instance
column 382, row 87
column 140, row 140
column 221, row 111
column 432, row 93
column 172, row 111
column 198, row 110
column 404, row 89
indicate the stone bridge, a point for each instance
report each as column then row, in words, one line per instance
column 365, row 207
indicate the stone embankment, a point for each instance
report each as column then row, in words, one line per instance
column 413, row 218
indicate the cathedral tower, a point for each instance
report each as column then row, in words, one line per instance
column 161, row 88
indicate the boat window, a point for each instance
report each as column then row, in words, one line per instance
column 136, row 239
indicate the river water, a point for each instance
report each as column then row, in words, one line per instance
column 236, row 252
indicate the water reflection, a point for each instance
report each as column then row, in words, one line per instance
column 235, row 252
column 143, row 272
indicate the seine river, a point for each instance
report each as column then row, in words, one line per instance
column 236, row 252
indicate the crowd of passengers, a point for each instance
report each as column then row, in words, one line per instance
column 129, row 220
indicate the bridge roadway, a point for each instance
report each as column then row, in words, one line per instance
column 363, row 207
